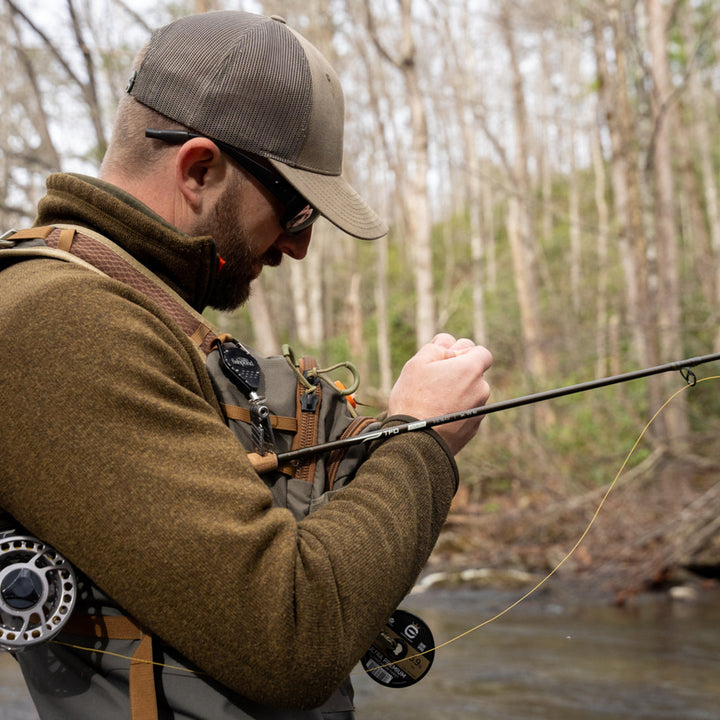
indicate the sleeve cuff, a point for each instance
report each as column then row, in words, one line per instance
column 404, row 419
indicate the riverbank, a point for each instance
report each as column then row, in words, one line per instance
column 656, row 528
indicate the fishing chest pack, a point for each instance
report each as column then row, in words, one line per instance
column 273, row 404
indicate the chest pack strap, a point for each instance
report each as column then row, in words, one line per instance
column 141, row 681
column 104, row 255
column 278, row 422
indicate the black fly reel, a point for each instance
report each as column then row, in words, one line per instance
column 38, row 589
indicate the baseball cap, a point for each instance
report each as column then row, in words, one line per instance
column 256, row 84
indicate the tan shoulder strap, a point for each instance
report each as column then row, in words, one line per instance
column 141, row 681
column 278, row 422
column 100, row 253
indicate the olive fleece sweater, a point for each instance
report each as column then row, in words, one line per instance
column 115, row 453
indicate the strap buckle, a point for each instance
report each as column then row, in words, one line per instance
column 5, row 242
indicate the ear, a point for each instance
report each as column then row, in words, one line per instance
column 201, row 171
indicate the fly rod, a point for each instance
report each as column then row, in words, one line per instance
column 265, row 463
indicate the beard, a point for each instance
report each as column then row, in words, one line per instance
column 232, row 283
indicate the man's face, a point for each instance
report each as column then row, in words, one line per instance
column 245, row 224
column 244, row 255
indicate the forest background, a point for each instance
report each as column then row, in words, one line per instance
column 550, row 175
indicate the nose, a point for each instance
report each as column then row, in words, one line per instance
column 296, row 246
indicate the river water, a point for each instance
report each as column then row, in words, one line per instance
column 546, row 659
column 654, row 659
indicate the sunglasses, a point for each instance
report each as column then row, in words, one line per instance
column 299, row 214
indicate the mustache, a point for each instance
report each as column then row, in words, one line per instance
column 272, row 257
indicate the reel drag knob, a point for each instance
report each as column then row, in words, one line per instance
column 21, row 589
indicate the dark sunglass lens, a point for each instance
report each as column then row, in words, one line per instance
column 297, row 220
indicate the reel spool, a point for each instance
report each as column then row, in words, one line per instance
column 37, row 591
column 402, row 653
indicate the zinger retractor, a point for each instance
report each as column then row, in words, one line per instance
column 38, row 590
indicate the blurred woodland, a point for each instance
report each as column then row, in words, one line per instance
column 551, row 175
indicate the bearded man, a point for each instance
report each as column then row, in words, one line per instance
column 226, row 149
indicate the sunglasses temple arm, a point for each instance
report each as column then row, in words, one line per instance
column 174, row 137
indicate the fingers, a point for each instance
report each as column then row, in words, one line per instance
column 443, row 340
column 448, row 342
column 446, row 375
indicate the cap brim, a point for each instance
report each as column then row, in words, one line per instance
column 336, row 200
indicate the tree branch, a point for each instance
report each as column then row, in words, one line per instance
column 135, row 16
column 55, row 52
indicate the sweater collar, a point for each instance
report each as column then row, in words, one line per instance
column 187, row 264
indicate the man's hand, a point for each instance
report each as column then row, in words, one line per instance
column 446, row 375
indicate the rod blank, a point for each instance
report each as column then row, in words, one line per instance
column 391, row 431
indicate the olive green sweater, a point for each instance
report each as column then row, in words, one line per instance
column 114, row 452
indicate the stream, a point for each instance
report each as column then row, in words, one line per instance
column 547, row 659
column 654, row 659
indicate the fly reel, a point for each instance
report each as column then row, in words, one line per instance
column 37, row 591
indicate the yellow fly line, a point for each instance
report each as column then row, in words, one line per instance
column 580, row 539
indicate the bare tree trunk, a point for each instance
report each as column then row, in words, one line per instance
column 419, row 228
column 382, row 309
column 639, row 246
column 418, row 224
column 477, row 255
column 462, row 69
column 354, row 314
column 488, row 216
column 474, row 196
column 702, row 139
column 314, row 276
column 621, row 193
column 574, row 219
column 601, row 205
column 571, row 69
column 524, row 249
column 264, row 338
column 542, row 147
column 300, row 305
column 626, row 192
column 669, row 315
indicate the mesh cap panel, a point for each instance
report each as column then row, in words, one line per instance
column 250, row 81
